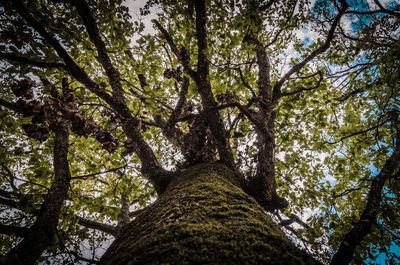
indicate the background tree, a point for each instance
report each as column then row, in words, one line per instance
column 99, row 118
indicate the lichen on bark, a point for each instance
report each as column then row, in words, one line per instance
column 204, row 217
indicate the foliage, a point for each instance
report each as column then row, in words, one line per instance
column 141, row 105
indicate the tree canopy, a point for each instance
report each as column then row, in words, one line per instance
column 99, row 112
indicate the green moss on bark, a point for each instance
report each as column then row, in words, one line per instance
column 204, row 217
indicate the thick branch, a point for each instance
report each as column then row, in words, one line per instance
column 11, row 230
column 94, row 35
column 213, row 117
column 201, row 34
column 42, row 231
column 150, row 166
column 123, row 217
column 294, row 218
column 264, row 81
column 109, row 229
column 363, row 227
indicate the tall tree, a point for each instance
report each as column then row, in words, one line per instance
column 220, row 138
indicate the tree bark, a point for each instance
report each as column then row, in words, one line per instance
column 204, row 217
column 40, row 235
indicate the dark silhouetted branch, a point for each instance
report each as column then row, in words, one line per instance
column 363, row 227
column 296, row 68
column 22, row 60
column 41, row 233
column 11, row 230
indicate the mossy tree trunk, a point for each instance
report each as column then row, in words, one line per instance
column 203, row 217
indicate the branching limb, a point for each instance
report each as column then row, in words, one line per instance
column 151, row 168
column 182, row 55
column 390, row 12
column 42, row 231
column 77, row 72
column 174, row 134
column 359, row 132
column 381, row 10
column 296, row 68
column 201, row 77
column 305, row 88
column 213, row 118
column 363, row 227
column 181, row 101
column 112, row 73
column 359, row 90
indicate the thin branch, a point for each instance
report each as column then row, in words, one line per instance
column 359, row 90
column 109, row 229
column 77, row 256
column 359, row 132
column 346, row 192
column 8, row 202
column 246, row 84
column 294, row 218
column 98, row 173
column 23, row 60
column 182, row 55
column 296, row 68
column 94, row 35
column 290, row 93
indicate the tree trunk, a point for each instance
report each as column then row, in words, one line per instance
column 203, row 217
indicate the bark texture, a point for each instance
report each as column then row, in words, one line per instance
column 40, row 235
column 204, row 217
